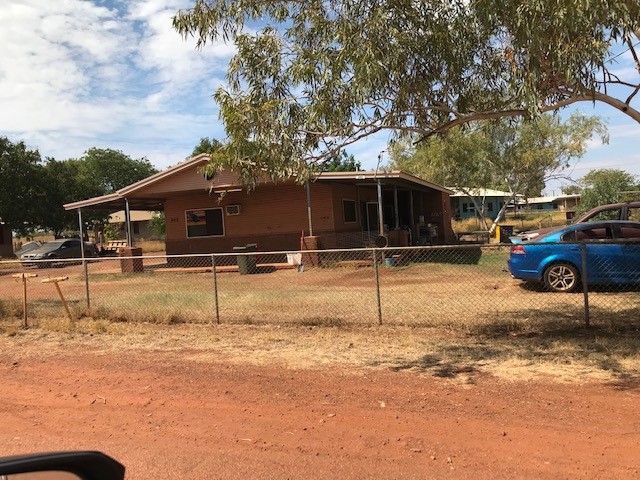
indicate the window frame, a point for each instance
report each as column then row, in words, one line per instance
column 186, row 223
column 355, row 211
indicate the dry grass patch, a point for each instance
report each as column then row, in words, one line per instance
column 559, row 351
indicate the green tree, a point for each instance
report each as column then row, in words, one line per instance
column 98, row 172
column 518, row 157
column 158, row 224
column 23, row 200
column 601, row 187
column 65, row 184
column 342, row 162
column 206, row 145
column 318, row 76
column 105, row 171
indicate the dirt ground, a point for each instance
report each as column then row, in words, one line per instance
column 176, row 413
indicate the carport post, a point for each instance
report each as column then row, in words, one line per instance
column 309, row 209
column 395, row 207
column 127, row 219
column 84, row 260
column 585, row 284
column 380, row 214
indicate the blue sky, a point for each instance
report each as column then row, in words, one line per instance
column 77, row 74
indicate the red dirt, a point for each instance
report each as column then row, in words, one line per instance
column 164, row 417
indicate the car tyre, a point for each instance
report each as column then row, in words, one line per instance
column 562, row 277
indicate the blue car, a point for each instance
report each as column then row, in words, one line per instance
column 555, row 258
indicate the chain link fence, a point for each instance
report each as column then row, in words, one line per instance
column 463, row 287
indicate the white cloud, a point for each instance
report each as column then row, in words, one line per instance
column 76, row 74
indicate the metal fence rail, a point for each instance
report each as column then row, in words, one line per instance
column 462, row 287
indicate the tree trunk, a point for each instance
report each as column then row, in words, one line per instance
column 501, row 212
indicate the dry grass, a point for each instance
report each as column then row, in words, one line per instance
column 151, row 246
column 458, row 297
column 443, row 319
column 521, row 222
column 558, row 351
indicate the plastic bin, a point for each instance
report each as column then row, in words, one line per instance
column 246, row 263
column 504, row 232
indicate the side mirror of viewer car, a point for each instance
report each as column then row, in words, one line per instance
column 61, row 466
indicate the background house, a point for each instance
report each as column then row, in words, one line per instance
column 139, row 223
column 336, row 209
column 562, row 203
column 463, row 207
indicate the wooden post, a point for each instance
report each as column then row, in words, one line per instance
column 23, row 277
column 62, row 299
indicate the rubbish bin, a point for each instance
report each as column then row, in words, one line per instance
column 504, row 232
column 246, row 263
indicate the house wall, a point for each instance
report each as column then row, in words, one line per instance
column 436, row 209
column 547, row 206
column 273, row 216
column 457, row 206
column 6, row 243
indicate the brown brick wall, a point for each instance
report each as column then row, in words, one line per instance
column 272, row 216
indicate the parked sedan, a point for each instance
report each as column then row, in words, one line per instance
column 55, row 250
column 555, row 259
column 614, row 211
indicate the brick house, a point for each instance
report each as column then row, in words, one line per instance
column 336, row 209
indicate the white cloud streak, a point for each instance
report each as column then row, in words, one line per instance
column 76, row 74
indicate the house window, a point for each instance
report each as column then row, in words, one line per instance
column 136, row 228
column 349, row 211
column 490, row 207
column 205, row 223
column 465, row 208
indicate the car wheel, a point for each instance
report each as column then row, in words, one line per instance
column 562, row 277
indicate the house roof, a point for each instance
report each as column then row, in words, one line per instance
column 482, row 192
column 154, row 197
column 552, row 198
column 373, row 176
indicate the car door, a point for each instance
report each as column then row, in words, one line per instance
column 630, row 237
column 70, row 249
column 605, row 259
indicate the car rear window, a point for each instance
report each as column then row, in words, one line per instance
column 597, row 233
column 630, row 233
column 613, row 214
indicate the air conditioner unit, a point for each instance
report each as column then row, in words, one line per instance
column 233, row 209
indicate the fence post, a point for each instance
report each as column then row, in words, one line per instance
column 585, row 283
column 84, row 259
column 377, row 278
column 215, row 287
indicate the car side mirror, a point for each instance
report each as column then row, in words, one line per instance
column 61, row 466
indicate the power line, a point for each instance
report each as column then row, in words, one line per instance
column 623, row 52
